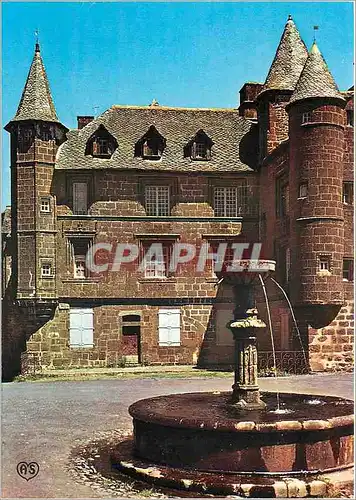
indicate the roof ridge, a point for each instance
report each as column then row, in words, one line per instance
column 316, row 79
column 173, row 108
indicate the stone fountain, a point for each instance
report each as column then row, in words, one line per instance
column 243, row 443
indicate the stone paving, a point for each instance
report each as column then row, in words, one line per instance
column 43, row 422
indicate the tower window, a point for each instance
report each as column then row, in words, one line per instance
column 348, row 193
column 46, row 270
column 350, row 117
column 348, row 270
column 45, row 206
column 157, row 200
column 307, row 117
column 324, row 263
column 303, row 190
column 282, row 198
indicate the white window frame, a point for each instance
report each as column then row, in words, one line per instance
column 45, row 205
column 157, row 201
column 80, row 197
column 169, row 334
column 46, row 270
column 81, row 327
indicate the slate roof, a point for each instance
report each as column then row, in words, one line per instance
column 36, row 101
column 315, row 79
column 234, row 137
column 289, row 60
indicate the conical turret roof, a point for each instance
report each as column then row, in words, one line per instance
column 289, row 60
column 315, row 79
column 36, row 101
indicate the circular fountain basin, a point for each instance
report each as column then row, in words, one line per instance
column 202, row 432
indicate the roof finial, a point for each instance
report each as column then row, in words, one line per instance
column 290, row 17
column 154, row 103
column 37, row 49
column 315, row 28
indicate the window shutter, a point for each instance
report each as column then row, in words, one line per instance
column 81, row 331
column 194, row 150
column 169, row 327
column 80, row 197
column 208, row 153
column 95, row 147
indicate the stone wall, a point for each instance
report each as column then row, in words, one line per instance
column 331, row 347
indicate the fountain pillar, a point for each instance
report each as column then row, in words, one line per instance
column 246, row 394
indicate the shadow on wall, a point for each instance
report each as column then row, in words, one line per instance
column 13, row 341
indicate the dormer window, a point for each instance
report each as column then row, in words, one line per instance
column 151, row 145
column 199, row 148
column 101, row 144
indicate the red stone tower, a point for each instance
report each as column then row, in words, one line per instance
column 280, row 83
column 36, row 135
column 316, row 129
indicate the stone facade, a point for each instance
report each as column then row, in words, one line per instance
column 287, row 155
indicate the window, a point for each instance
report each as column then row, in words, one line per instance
column 152, row 149
column 25, row 139
column 157, row 200
column 282, row 198
column 80, row 247
column 348, row 193
column 151, row 145
column 231, row 201
column 199, row 148
column 80, row 198
column 324, row 263
column 101, row 144
column 348, row 270
column 169, row 327
column 303, row 190
column 46, row 270
column 157, row 264
column 350, row 117
column 307, row 117
column 45, row 205
column 46, row 134
column 81, row 330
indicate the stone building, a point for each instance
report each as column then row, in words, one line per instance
column 277, row 170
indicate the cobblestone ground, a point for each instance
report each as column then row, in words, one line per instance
column 45, row 422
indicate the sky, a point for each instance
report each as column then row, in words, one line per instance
column 181, row 54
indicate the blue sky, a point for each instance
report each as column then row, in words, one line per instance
column 182, row 54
